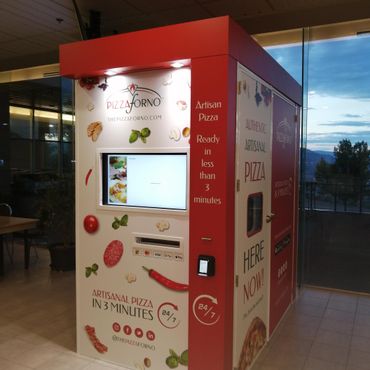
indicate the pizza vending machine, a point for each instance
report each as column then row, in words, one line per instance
column 186, row 196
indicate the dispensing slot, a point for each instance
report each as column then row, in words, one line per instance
column 157, row 246
column 158, row 242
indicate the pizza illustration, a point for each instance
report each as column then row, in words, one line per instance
column 253, row 343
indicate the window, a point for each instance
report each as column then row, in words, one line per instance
column 335, row 181
column 254, row 213
column 41, row 125
column 20, row 122
column 46, row 125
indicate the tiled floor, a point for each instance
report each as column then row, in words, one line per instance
column 323, row 330
column 37, row 318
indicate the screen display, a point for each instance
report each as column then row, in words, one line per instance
column 152, row 180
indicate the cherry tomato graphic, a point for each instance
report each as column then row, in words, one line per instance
column 91, row 224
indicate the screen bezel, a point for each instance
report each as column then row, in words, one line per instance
column 102, row 179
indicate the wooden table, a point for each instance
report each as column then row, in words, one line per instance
column 9, row 224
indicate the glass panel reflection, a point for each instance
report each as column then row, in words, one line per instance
column 46, row 156
column 336, row 181
column 20, row 155
column 20, row 122
column 47, row 125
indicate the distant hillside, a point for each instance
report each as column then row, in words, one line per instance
column 312, row 159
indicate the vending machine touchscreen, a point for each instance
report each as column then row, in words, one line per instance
column 145, row 180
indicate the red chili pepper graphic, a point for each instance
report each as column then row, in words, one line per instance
column 88, row 176
column 170, row 284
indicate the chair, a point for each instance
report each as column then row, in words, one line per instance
column 6, row 210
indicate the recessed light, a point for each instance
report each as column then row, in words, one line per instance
column 177, row 64
column 112, row 71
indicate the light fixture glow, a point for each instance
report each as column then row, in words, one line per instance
column 46, row 114
column 67, row 117
column 112, row 71
column 40, row 114
column 177, row 64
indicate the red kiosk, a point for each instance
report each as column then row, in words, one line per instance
column 187, row 198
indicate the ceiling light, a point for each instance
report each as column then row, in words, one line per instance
column 177, row 64
column 112, row 71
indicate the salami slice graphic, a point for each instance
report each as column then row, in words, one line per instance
column 99, row 346
column 113, row 253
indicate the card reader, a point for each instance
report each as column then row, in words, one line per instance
column 206, row 265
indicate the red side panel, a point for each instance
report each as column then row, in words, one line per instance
column 212, row 211
column 283, row 187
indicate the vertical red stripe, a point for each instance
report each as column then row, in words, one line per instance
column 212, row 151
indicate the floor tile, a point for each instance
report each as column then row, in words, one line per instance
column 360, row 343
column 6, row 365
column 333, row 338
column 334, row 314
column 362, row 319
column 309, row 310
column 363, row 308
column 14, row 348
column 343, row 305
column 259, row 366
column 100, row 365
column 323, row 330
column 359, row 359
column 282, row 361
column 316, row 293
column 317, row 364
column 290, row 345
column 327, row 352
column 313, row 301
column 35, row 357
column 299, row 332
column 298, row 318
column 361, row 330
column 66, row 361
column 337, row 326
column 343, row 297
column 364, row 300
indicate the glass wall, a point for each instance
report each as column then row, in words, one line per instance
column 335, row 183
column 40, row 146
column 41, row 126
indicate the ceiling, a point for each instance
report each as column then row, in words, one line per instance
column 30, row 31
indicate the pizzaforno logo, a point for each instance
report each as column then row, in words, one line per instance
column 285, row 133
column 134, row 96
